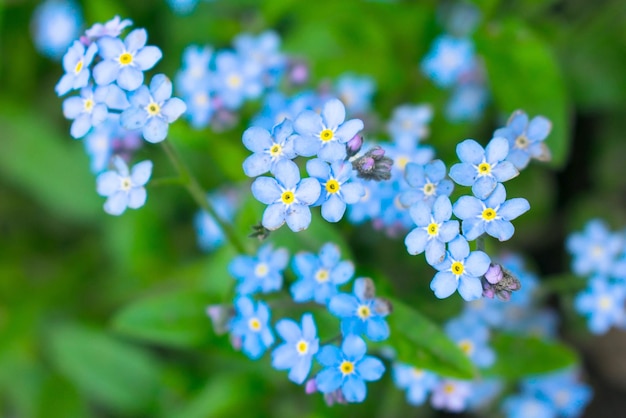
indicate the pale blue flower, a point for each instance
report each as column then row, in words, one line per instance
column 472, row 336
column 434, row 229
column 268, row 148
column 301, row 344
column 426, row 181
column 152, row 110
column 482, row 168
column 236, row 79
column 76, row 64
column 261, row 273
column 562, row 389
column 491, row 215
column 325, row 134
column 87, row 110
column 251, row 324
column 460, row 270
column 319, row 276
column 448, row 59
column 264, row 51
column 467, row 102
column 123, row 188
column 195, row 73
column 451, row 395
column 526, row 405
column 347, row 369
column 337, row 189
column 595, row 250
column 418, row 383
column 125, row 62
column 55, row 24
column 288, row 198
column 409, row 124
column 602, row 303
column 526, row 138
column 113, row 28
column 355, row 92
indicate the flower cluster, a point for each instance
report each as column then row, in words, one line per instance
column 114, row 105
column 344, row 368
column 599, row 255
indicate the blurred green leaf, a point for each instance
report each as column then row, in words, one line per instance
column 421, row 343
column 60, row 399
column 51, row 169
column 518, row 356
column 172, row 319
column 524, row 74
column 118, row 375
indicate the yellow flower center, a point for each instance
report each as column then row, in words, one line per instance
column 254, row 324
column 346, row 367
column 448, row 388
column 88, row 105
column 466, row 346
column 432, row 229
column 201, row 99
column 322, row 275
column 363, row 312
column 233, row 81
column 489, row 214
column 153, row 109
column 484, row 169
column 276, row 150
column 261, row 270
column 79, row 67
column 327, row 135
column 125, row 184
column 429, row 189
column 302, row 347
column 597, row 251
column 288, row 197
column 332, row 186
column 402, row 161
column 457, row 268
column 126, row 58
column 521, row 142
column 417, row 372
column 605, row 303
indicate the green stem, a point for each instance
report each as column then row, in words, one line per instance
column 192, row 185
column 165, row 181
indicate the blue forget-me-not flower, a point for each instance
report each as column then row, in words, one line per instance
column 595, row 250
column 417, row 382
column 319, row 276
column 451, row 395
column 472, row 336
column 268, row 148
column 426, row 181
column 562, row 389
column 261, row 273
column 526, row 138
column 492, row 215
column 301, row 344
column 347, row 369
column 123, row 188
column 55, row 24
column 288, row 198
column 460, row 269
column 603, row 303
column 76, row 64
column 251, row 324
column 87, row 110
column 448, row 59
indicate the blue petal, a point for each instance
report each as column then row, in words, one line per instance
column 513, row 208
column 65, row 84
column 333, row 113
column 342, row 272
column 147, row 57
column 306, row 146
column 448, row 231
column 463, row 174
column 467, row 207
column 470, row 288
column 129, row 78
column 348, row 130
column 257, row 139
column 298, row 217
column 538, row 128
column 435, row 252
column 370, row 368
column 435, row 170
column 353, row 347
column 137, row 197
column 473, row 228
column 116, row 203
column 173, row 108
column 497, row 149
column 303, row 290
column 136, row 39
column 308, row 191
column 72, row 107
column 414, row 175
column 421, row 214
column 343, row 305
column 501, row 229
column 416, row 241
column 328, row 380
column 517, row 122
column 318, row 168
column 329, row 254
column 257, row 164
column 155, row 130
column 105, row 72
column 266, row 190
column 284, row 357
column 333, row 209
column 470, row 151
column 140, row 97
column 160, row 88
column 332, row 151
column 308, row 124
column 274, row 216
column 141, row 172
column 354, row 389
column 309, row 332
column 444, row 284
column 107, row 183
column 329, row 356
column 80, row 126
column 244, row 306
column 133, row 118
column 477, row 263
column 483, row 186
column 288, row 330
column 252, row 346
column 116, row 98
column 300, row 370
column 377, row 329
column 287, row 173
column 352, row 192
column 496, row 197
column 109, row 47
column 442, row 209
column 504, row 171
column 459, row 248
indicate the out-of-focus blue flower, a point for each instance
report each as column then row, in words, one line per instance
column 484, row 392
column 409, row 124
column 337, row 189
column 417, row 382
column 264, row 51
column 251, row 324
column 426, row 182
column 125, row 62
column 451, row 395
column 355, row 92
column 87, row 110
column 472, row 336
column 278, row 107
column 539, row 323
column 460, row 269
column 195, row 73
column 467, row 103
column 182, row 7
column 113, row 28
column 595, row 249
column 526, row 138
column 448, row 59
column 347, row 369
column 482, row 168
column 361, row 313
column 319, row 276
column 301, row 344
column 209, row 232
column 236, row 79
column 563, row 390
column 268, row 148
column 369, row 206
column 434, row 229
column 55, row 24
column 152, row 110
column 602, row 303
column 262, row 273
column 123, row 188
column 325, row 134
column 525, row 405
column 288, row 198
column 492, row 215
column 76, row 64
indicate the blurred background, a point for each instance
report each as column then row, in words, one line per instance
column 73, row 342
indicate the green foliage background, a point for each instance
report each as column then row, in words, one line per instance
column 104, row 316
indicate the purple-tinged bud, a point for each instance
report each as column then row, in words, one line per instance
column 367, row 164
column 494, row 273
column 236, row 342
column 354, row 145
column 310, row 386
column 377, row 152
column 298, row 72
column 220, row 316
column 499, row 282
column 373, row 165
column 334, row 397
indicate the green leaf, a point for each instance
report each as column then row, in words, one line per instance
column 172, row 319
column 52, row 169
column 421, row 343
column 519, row 356
column 524, row 74
column 118, row 375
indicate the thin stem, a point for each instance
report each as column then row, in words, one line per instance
column 197, row 193
column 165, row 181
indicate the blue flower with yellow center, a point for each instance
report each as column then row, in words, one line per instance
column 268, row 148
column 87, row 110
column 526, row 138
column 602, row 303
column 417, row 382
column 251, row 324
column 301, row 344
column 124, row 188
column 76, row 64
column 426, row 181
column 262, row 273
